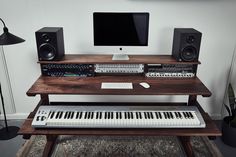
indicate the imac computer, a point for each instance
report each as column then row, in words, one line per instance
column 120, row 29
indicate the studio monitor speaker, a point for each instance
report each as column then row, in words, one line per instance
column 186, row 44
column 50, row 43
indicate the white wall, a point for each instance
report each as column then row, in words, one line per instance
column 214, row 18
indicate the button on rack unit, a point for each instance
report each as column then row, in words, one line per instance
column 64, row 70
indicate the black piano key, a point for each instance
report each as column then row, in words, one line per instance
column 140, row 115
column 168, row 115
column 157, row 117
column 125, row 115
column 176, row 115
column 58, row 114
column 92, row 113
column 165, row 115
column 100, row 115
column 52, row 114
column 145, row 115
column 128, row 113
column 136, row 113
column 48, row 114
column 171, row 115
column 81, row 115
column 112, row 115
column 188, row 116
column 191, row 115
column 117, row 115
column 160, row 115
column 180, row 116
column 105, row 115
column 121, row 115
column 69, row 115
column 185, row 115
column 97, row 115
column 65, row 115
column 55, row 114
column 148, row 115
column 85, row 116
column 77, row 115
column 108, row 115
column 151, row 115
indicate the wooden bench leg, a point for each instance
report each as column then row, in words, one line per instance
column 185, row 141
column 51, row 139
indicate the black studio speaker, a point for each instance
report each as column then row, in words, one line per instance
column 186, row 44
column 50, row 43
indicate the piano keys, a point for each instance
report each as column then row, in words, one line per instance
column 118, row 117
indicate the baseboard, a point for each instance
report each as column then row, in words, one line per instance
column 15, row 116
column 216, row 116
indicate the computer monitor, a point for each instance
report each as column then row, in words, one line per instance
column 120, row 29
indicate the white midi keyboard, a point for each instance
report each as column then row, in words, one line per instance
column 118, row 117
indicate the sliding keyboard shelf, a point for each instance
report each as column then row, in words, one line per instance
column 92, row 86
column 210, row 129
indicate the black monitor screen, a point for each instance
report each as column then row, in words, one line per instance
column 120, row 29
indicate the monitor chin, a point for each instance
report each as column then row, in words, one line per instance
column 120, row 56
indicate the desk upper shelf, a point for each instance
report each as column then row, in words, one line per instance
column 107, row 59
column 92, row 86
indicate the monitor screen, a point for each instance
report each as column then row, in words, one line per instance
column 120, row 29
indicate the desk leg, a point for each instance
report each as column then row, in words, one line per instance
column 51, row 139
column 185, row 140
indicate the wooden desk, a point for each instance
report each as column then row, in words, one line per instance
column 192, row 87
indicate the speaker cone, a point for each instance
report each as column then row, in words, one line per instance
column 47, row 52
column 188, row 53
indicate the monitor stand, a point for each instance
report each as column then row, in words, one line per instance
column 120, row 57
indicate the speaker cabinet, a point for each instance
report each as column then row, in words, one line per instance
column 186, row 44
column 50, row 43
